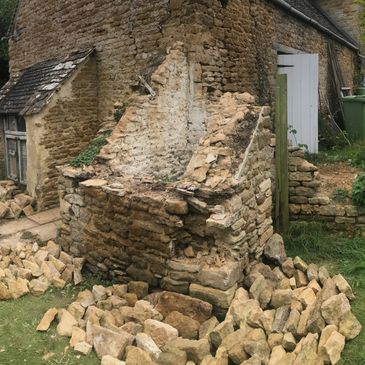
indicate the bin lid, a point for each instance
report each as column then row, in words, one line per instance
column 354, row 99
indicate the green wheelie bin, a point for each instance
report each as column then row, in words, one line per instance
column 354, row 109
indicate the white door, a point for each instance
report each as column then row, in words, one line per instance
column 303, row 79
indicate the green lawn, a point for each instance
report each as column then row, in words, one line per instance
column 341, row 254
column 21, row 344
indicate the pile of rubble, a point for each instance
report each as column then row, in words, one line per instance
column 14, row 203
column 291, row 313
column 27, row 268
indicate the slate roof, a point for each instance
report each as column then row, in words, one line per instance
column 313, row 11
column 30, row 91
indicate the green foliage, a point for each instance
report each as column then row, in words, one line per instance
column 358, row 190
column 359, row 159
column 340, row 195
column 88, row 155
column 355, row 154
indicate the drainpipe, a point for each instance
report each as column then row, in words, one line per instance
column 314, row 22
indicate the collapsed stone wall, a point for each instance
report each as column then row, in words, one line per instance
column 158, row 135
column 196, row 234
column 306, row 202
column 232, row 45
column 60, row 132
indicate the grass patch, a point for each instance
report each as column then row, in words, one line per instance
column 355, row 154
column 340, row 254
column 21, row 344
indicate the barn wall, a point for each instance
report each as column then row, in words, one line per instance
column 232, row 44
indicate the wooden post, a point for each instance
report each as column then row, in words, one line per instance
column 281, row 155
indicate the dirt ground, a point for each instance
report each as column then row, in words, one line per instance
column 336, row 176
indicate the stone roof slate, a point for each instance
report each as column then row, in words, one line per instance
column 311, row 10
column 30, row 91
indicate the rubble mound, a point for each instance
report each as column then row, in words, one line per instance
column 291, row 314
column 27, row 268
column 14, row 203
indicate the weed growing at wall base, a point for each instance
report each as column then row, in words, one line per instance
column 358, row 191
column 88, row 155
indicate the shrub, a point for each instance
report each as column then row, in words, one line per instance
column 358, row 190
column 88, row 155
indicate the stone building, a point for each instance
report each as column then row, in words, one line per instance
column 181, row 194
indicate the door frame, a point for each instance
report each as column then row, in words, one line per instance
column 294, row 90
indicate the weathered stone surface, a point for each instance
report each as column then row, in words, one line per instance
column 78, row 335
column 233, row 344
column 349, row 326
column 196, row 350
column 109, row 360
column 107, row 342
column 167, row 302
column 288, row 267
column 312, row 272
column 281, row 297
column 161, row 332
column 139, row 288
column 334, row 347
column 47, row 319
column 99, row 293
column 307, row 352
column 275, row 249
column 289, row 342
column 219, row 298
column 223, row 277
column 66, row 322
column 281, row 316
column 343, row 286
column 255, row 344
column 275, row 339
column 335, row 308
column 83, row 347
column 220, row 332
column 300, row 278
column 186, row 326
column 325, row 335
column 207, row 327
column 300, row 264
column 147, row 344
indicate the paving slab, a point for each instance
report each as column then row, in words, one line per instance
column 44, row 224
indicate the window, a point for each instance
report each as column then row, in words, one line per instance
column 15, row 147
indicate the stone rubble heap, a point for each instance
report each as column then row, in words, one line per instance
column 290, row 314
column 27, row 268
column 14, row 203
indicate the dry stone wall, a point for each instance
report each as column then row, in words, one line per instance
column 308, row 203
column 231, row 45
column 196, row 235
